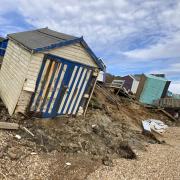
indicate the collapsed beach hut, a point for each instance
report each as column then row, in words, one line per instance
column 48, row 73
column 152, row 88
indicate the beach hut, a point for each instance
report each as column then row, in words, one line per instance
column 130, row 83
column 152, row 88
column 48, row 73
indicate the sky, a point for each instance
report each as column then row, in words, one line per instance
column 131, row 36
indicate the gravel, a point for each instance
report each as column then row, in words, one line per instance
column 160, row 161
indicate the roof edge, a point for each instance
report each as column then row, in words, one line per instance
column 91, row 53
column 69, row 42
column 57, row 45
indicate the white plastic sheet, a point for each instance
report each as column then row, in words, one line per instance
column 154, row 125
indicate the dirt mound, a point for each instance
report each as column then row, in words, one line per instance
column 97, row 134
column 105, row 132
column 108, row 131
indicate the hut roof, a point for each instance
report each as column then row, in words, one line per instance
column 40, row 38
column 44, row 39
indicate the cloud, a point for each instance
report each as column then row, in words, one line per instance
column 171, row 70
column 132, row 36
column 175, row 87
column 166, row 48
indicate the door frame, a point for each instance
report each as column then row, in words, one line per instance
column 67, row 74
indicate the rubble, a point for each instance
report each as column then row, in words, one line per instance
column 105, row 134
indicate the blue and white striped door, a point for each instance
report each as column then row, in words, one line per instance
column 60, row 87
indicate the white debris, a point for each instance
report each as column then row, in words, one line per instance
column 17, row 136
column 93, row 125
column 33, row 153
column 68, row 164
column 154, row 125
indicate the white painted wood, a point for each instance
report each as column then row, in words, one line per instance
column 23, row 101
column 46, row 85
column 78, row 89
column 33, row 71
column 40, row 85
column 72, row 90
column 134, row 86
column 66, row 93
column 12, row 74
column 82, row 92
column 52, row 87
column 75, row 52
column 58, row 87
column 100, row 77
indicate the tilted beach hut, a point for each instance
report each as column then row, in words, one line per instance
column 151, row 88
column 48, row 73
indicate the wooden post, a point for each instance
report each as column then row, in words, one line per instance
column 90, row 96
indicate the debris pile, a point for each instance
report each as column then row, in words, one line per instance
column 111, row 129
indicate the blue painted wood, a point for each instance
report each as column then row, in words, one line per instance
column 70, row 88
column 75, row 90
column 3, row 46
column 57, row 45
column 70, row 42
column 60, row 95
column 91, row 53
column 67, row 76
column 80, row 89
column 60, row 59
column 87, row 85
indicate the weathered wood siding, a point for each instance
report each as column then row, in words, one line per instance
column 30, row 82
column 33, row 71
column 72, row 52
column 23, row 101
column 75, row 52
column 12, row 74
column 27, row 73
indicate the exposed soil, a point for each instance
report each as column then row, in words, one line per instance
column 159, row 162
column 106, row 133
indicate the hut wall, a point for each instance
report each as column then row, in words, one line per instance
column 13, row 74
column 74, row 52
column 153, row 89
column 30, row 82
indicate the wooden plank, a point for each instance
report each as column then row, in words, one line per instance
column 167, row 114
column 92, row 90
column 6, row 125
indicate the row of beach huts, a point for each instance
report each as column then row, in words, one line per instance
column 49, row 74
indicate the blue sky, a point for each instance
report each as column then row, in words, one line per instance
column 131, row 36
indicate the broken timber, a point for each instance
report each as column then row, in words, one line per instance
column 6, row 125
column 106, row 93
column 167, row 114
column 14, row 126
